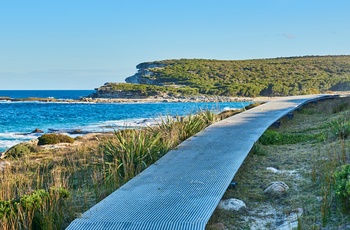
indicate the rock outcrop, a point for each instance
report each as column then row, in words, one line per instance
column 108, row 91
column 37, row 130
column 276, row 187
column 231, row 204
column 145, row 73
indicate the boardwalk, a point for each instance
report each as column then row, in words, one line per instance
column 182, row 189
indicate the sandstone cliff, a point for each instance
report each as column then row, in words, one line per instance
column 113, row 90
column 145, row 73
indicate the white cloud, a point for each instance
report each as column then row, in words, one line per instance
column 289, row 36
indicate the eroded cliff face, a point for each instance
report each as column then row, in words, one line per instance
column 110, row 90
column 145, row 75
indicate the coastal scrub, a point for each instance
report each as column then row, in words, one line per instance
column 49, row 188
column 51, row 138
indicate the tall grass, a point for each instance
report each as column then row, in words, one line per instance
column 47, row 189
column 131, row 151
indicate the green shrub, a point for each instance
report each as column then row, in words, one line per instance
column 8, row 208
column 253, row 105
column 133, row 151
column 340, row 127
column 19, row 150
column 342, row 185
column 258, row 150
column 48, row 139
column 228, row 113
column 39, row 210
column 271, row 137
column 35, row 200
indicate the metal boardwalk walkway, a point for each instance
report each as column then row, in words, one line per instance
column 183, row 188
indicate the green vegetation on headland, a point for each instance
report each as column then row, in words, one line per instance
column 246, row 78
column 144, row 90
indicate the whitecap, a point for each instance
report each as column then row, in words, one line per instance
column 112, row 125
column 6, row 144
column 19, row 136
column 229, row 108
column 8, row 140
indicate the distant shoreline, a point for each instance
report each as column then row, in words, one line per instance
column 154, row 99
column 137, row 100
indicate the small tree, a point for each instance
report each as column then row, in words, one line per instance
column 49, row 139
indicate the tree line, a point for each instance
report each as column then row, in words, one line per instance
column 249, row 78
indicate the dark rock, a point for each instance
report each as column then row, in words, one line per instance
column 5, row 99
column 77, row 131
column 37, row 130
column 54, row 130
column 232, row 185
column 276, row 124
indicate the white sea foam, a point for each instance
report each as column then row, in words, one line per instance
column 15, row 136
column 112, row 125
column 229, row 108
column 7, row 140
column 141, row 122
column 9, row 143
column 10, row 139
column 107, row 126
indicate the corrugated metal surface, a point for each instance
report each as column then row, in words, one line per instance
column 182, row 189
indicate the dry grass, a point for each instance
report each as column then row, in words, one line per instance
column 307, row 167
column 65, row 180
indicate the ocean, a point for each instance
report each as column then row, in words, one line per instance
column 58, row 94
column 19, row 119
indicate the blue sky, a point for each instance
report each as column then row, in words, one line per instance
column 81, row 44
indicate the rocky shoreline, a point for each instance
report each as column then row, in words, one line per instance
column 36, row 99
column 199, row 98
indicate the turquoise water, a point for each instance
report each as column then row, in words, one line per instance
column 18, row 119
column 58, row 94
